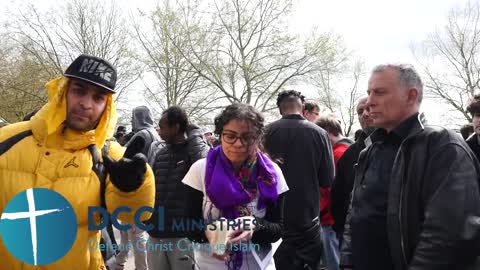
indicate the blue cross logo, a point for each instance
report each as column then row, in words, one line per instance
column 38, row 226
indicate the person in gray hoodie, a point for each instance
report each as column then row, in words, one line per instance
column 142, row 126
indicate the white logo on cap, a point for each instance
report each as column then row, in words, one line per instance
column 96, row 68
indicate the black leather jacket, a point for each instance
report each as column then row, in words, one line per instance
column 472, row 141
column 434, row 190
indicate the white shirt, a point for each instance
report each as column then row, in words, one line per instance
column 195, row 178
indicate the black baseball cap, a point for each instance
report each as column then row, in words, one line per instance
column 94, row 70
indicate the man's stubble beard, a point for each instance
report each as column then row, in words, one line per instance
column 71, row 125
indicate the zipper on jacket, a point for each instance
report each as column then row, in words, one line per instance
column 402, row 145
column 402, row 242
column 355, row 168
column 400, row 222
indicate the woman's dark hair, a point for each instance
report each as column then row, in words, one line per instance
column 176, row 115
column 241, row 112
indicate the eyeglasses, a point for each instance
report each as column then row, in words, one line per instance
column 246, row 139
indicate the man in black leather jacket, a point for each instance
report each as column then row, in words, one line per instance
column 416, row 196
column 343, row 184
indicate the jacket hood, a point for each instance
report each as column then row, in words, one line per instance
column 48, row 125
column 142, row 118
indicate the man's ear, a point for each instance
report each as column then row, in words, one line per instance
column 412, row 95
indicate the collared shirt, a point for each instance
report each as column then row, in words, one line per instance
column 369, row 220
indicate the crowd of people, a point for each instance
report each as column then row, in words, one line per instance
column 399, row 195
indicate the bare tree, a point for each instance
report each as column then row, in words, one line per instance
column 338, row 92
column 22, row 80
column 175, row 81
column 90, row 27
column 246, row 52
column 449, row 59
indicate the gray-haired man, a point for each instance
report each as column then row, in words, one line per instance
column 416, row 187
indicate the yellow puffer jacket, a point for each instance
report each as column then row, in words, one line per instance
column 39, row 161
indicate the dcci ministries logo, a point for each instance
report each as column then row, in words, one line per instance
column 38, row 226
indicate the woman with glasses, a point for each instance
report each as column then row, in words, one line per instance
column 241, row 185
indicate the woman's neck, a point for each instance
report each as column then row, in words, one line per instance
column 236, row 167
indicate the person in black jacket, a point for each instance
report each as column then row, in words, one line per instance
column 306, row 159
column 466, row 131
column 120, row 135
column 184, row 146
column 474, row 140
column 416, row 198
column 343, row 184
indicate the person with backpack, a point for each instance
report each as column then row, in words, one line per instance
column 143, row 127
column 59, row 149
column 184, row 146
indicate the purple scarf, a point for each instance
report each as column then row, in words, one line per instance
column 227, row 192
column 229, row 195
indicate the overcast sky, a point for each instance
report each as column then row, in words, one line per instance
column 378, row 31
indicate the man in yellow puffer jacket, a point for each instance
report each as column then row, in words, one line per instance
column 80, row 112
